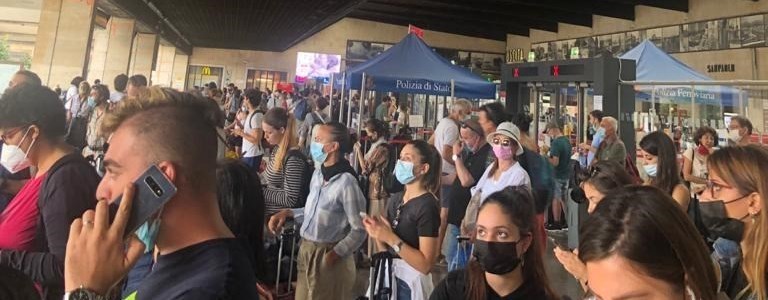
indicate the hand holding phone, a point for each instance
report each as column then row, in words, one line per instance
column 152, row 191
column 559, row 245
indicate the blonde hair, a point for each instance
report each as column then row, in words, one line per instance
column 279, row 118
column 744, row 167
column 462, row 104
column 84, row 90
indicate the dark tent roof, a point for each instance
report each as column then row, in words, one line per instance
column 411, row 66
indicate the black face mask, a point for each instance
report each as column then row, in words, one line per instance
column 497, row 257
column 719, row 225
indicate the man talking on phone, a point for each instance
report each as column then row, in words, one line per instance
column 197, row 256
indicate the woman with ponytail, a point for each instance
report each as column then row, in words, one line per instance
column 508, row 263
column 287, row 166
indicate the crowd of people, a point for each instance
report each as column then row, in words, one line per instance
column 252, row 169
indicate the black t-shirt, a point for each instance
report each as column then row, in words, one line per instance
column 476, row 163
column 454, row 287
column 215, row 269
column 418, row 217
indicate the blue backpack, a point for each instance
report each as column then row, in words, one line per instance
column 301, row 110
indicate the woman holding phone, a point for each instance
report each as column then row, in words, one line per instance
column 411, row 228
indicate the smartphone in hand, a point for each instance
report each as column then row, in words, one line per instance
column 559, row 245
column 153, row 190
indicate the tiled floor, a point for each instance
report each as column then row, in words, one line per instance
column 561, row 282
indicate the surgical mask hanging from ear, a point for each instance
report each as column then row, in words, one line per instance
column 147, row 232
column 13, row 159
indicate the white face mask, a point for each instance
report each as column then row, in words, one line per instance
column 13, row 158
column 734, row 135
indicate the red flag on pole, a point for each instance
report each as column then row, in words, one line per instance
column 416, row 30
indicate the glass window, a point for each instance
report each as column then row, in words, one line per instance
column 263, row 79
column 200, row 75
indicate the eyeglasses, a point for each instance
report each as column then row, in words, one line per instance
column 8, row 134
column 503, row 143
column 715, row 187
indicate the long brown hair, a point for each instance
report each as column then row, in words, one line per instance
column 431, row 157
column 744, row 169
column 517, row 203
column 279, row 118
column 660, row 145
column 645, row 226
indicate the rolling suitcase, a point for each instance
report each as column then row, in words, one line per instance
column 284, row 285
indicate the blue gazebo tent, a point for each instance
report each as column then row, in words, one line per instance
column 653, row 64
column 411, row 66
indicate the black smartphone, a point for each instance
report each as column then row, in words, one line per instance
column 153, row 190
column 560, row 245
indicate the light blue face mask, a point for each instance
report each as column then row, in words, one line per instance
column 404, row 172
column 91, row 102
column 650, row 170
column 600, row 132
column 316, row 150
column 147, row 234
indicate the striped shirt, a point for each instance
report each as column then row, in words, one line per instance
column 332, row 213
column 283, row 188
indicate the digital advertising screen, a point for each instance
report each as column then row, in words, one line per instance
column 316, row 65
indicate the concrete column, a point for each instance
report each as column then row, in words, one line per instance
column 144, row 55
column 63, row 40
column 118, row 54
column 164, row 66
column 179, row 75
column 98, row 54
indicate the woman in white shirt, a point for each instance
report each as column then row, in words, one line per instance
column 505, row 171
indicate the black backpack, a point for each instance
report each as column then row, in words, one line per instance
column 391, row 184
column 307, row 175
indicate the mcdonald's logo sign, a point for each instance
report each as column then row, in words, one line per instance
column 205, row 71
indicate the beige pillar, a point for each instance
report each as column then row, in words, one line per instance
column 164, row 66
column 63, row 41
column 179, row 75
column 143, row 55
column 118, row 53
column 98, row 54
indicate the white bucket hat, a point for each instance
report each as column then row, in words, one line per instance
column 509, row 130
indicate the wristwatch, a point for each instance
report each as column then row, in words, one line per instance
column 397, row 247
column 83, row 294
column 455, row 157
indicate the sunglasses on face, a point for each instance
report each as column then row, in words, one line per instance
column 503, row 142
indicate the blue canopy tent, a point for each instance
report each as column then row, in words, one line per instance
column 411, row 66
column 653, row 64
